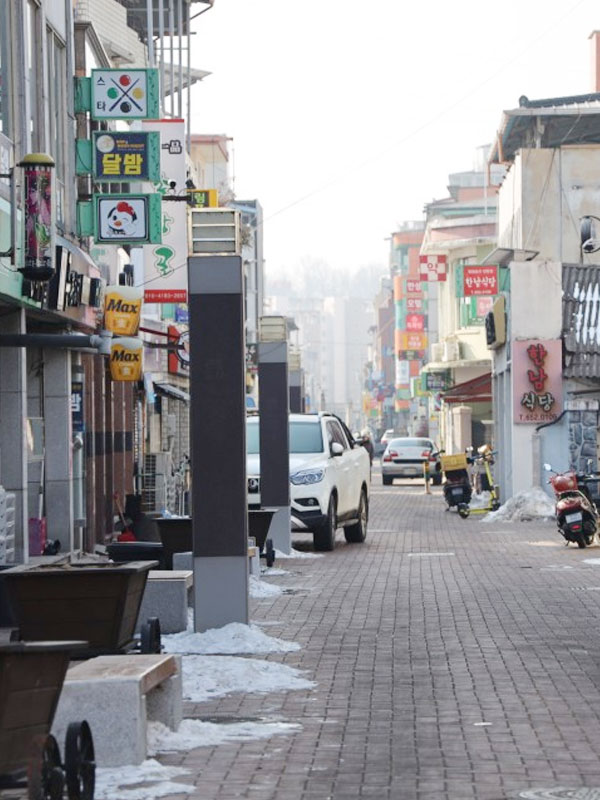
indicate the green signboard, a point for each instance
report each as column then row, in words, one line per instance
column 436, row 381
column 122, row 219
column 124, row 94
column 130, row 156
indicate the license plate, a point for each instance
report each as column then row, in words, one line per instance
column 457, row 491
column 573, row 517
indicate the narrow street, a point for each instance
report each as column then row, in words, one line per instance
column 453, row 659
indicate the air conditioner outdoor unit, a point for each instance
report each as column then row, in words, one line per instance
column 158, row 482
column 451, row 350
column 437, row 351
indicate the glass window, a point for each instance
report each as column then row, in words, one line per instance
column 5, row 115
column 336, row 434
column 424, row 444
column 305, row 437
column 56, row 111
column 32, row 73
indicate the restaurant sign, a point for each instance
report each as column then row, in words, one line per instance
column 537, row 383
column 126, row 156
column 479, row 280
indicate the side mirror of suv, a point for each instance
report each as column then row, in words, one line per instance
column 336, row 449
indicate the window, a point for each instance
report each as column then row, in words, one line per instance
column 32, row 74
column 305, row 437
column 56, row 111
column 336, row 434
column 5, row 76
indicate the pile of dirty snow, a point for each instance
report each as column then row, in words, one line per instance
column 533, row 504
column 232, row 639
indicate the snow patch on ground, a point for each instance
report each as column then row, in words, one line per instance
column 123, row 783
column 233, row 639
column 207, row 677
column 194, row 733
column 258, row 588
column 533, row 504
column 482, row 500
column 297, row 554
column 268, row 571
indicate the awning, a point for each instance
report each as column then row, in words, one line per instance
column 168, row 390
column 477, row 390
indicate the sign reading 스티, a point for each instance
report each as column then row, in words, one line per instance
column 124, row 93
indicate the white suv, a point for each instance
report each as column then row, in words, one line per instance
column 329, row 477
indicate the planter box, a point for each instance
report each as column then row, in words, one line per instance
column 176, row 532
column 98, row 603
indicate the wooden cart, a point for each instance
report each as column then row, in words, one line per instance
column 31, row 679
column 97, row 603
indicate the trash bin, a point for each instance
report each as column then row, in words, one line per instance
column 120, row 552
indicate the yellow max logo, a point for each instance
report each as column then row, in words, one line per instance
column 124, row 356
column 122, row 307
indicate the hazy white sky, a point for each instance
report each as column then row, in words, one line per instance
column 347, row 115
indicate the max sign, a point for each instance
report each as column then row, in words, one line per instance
column 126, row 359
column 122, row 309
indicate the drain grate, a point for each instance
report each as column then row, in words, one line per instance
column 559, row 793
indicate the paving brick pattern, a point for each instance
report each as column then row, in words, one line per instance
column 454, row 660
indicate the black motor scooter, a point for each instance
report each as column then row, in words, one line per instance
column 457, row 483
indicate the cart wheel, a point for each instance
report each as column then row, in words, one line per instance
column 270, row 552
column 495, row 505
column 80, row 766
column 45, row 777
column 150, row 636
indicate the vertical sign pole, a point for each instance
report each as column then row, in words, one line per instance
column 273, row 403
column 218, row 441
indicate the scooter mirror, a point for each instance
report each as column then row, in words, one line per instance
column 547, row 467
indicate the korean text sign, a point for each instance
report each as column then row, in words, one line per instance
column 537, row 380
column 480, row 281
column 126, row 156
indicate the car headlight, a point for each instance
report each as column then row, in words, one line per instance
column 307, row 476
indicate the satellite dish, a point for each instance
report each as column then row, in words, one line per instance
column 590, row 243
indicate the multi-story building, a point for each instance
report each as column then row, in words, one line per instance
column 460, row 232
column 70, row 436
column 546, row 364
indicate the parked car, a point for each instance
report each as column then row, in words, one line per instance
column 388, row 436
column 329, row 477
column 404, row 457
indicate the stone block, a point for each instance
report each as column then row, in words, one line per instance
column 117, row 695
column 167, row 596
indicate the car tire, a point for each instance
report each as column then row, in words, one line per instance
column 357, row 533
column 324, row 536
column 436, row 479
column 387, row 480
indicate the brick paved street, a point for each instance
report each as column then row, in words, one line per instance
column 453, row 660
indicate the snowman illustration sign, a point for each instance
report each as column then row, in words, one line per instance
column 122, row 219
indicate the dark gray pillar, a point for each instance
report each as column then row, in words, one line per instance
column 274, row 440
column 218, row 441
column 296, row 391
